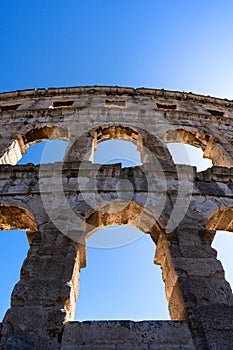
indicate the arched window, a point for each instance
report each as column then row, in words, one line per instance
column 120, row 264
column 207, row 146
column 45, row 152
column 187, row 147
column 39, row 145
column 223, row 243
column 221, row 221
column 14, row 247
column 116, row 144
column 13, row 220
column 121, row 282
column 117, row 151
column 189, row 155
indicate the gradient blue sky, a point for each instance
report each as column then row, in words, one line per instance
column 175, row 44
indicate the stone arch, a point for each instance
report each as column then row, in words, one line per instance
column 147, row 144
column 189, row 136
column 84, row 147
column 38, row 134
column 221, row 219
column 122, row 132
column 44, row 133
column 119, row 212
column 211, row 147
column 14, row 217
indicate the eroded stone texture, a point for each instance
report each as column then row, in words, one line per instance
column 46, row 294
column 127, row 335
column 61, row 204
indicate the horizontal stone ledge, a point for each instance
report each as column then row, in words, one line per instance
column 88, row 165
column 111, row 193
column 128, row 335
column 114, row 90
column 75, row 169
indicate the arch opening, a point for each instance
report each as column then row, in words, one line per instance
column 120, row 264
column 116, row 144
column 149, row 147
column 117, row 151
column 207, row 146
column 221, row 221
column 189, row 155
column 223, row 243
column 188, row 147
column 13, row 220
column 127, row 284
column 42, row 144
column 14, row 246
column 45, row 152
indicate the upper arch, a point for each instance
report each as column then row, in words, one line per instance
column 14, row 217
column 124, row 213
column 148, row 144
column 44, row 133
column 210, row 146
column 34, row 135
column 221, row 219
column 189, row 136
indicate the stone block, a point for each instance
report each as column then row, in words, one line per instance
column 40, row 292
column 127, row 335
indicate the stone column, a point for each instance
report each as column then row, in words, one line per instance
column 45, row 297
column 81, row 148
column 196, row 288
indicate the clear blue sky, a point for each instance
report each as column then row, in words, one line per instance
column 175, row 44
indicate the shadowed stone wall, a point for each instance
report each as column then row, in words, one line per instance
column 63, row 203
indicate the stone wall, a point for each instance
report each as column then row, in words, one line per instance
column 61, row 204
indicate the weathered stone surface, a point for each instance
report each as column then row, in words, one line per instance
column 127, row 335
column 63, row 203
column 34, row 322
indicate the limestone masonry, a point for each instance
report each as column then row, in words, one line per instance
column 60, row 204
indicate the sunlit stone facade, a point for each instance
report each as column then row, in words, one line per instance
column 60, row 204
